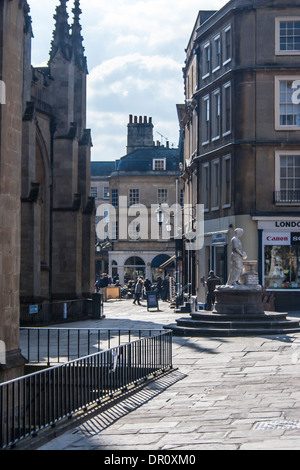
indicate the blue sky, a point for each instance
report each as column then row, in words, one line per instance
column 135, row 52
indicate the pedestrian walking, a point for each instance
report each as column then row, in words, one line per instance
column 138, row 291
column 212, row 282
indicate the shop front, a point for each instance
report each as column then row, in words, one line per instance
column 279, row 260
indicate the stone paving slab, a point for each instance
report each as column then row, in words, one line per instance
column 223, row 394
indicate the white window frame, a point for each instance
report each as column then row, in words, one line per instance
column 226, row 60
column 115, row 230
column 115, row 197
column 224, row 120
column 162, row 196
column 134, row 192
column 206, row 63
column 159, row 160
column 94, row 192
column 216, row 66
column 205, row 186
column 215, row 184
column 278, row 154
column 278, row 79
column 206, row 118
column 277, row 34
column 225, row 159
column 106, row 192
column 216, row 115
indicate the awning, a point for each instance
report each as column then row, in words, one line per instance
column 169, row 261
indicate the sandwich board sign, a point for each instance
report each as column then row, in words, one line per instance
column 152, row 300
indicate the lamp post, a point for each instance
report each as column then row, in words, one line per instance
column 160, row 219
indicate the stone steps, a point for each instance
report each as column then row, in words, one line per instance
column 227, row 332
column 208, row 315
column 211, row 324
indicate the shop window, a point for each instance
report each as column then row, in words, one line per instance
column 282, row 267
column 134, row 268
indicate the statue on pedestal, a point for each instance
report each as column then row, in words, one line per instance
column 237, row 257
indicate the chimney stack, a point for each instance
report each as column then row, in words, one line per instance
column 139, row 133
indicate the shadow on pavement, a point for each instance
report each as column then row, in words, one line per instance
column 103, row 418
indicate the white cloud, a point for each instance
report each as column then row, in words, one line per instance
column 135, row 52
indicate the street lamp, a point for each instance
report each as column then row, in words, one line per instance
column 159, row 215
column 168, row 226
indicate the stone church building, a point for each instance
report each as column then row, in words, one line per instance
column 46, row 212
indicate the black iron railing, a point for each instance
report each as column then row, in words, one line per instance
column 52, row 346
column 287, row 196
column 42, row 399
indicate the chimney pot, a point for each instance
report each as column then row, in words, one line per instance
column 135, row 119
column 130, row 118
column 141, row 120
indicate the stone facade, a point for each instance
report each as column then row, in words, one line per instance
column 56, row 172
column 148, row 177
column 11, row 75
column 47, row 214
column 240, row 127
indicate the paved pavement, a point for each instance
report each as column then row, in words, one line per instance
column 224, row 393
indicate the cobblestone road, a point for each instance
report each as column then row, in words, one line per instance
column 224, row 393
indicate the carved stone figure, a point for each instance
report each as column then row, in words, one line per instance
column 237, row 257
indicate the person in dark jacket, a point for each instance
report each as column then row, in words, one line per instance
column 165, row 289
column 138, row 291
column 212, row 282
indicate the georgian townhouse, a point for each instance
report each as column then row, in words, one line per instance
column 242, row 141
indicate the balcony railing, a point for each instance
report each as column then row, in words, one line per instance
column 42, row 399
column 287, row 197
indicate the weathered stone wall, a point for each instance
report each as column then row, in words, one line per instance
column 11, row 73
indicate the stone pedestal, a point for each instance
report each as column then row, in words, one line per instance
column 240, row 299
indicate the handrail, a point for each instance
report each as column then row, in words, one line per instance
column 53, row 345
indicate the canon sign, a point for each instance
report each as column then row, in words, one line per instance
column 277, row 238
column 271, row 238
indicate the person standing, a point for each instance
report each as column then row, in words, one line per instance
column 165, row 289
column 212, row 282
